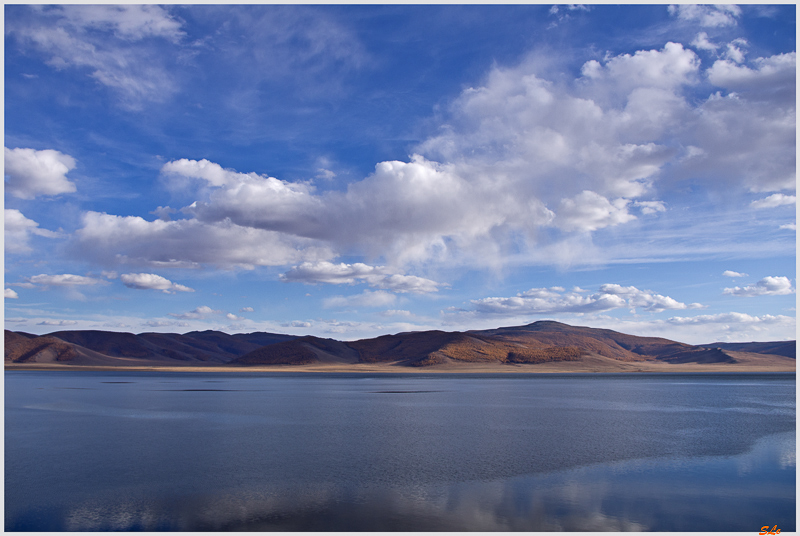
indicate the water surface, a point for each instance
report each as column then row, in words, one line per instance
column 259, row 451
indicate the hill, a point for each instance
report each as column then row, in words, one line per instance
column 545, row 344
column 209, row 347
column 784, row 348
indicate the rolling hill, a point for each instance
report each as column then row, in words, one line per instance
column 537, row 343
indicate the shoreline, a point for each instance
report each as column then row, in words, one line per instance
column 543, row 368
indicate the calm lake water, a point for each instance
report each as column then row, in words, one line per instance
column 347, row 452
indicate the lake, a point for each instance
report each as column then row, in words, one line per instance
column 158, row 451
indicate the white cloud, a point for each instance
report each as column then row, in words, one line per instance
column 9, row 294
column 650, row 207
column 125, row 21
column 64, row 280
column 705, row 329
column 589, row 211
column 30, row 172
column 159, row 323
column 396, row 312
column 557, row 300
column 200, row 312
column 516, row 157
column 246, row 310
column 726, row 318
column 709, row 16
column 731, row 273
column 59, row 323
column 667, row 68
column 646, row 299
column 768, row 286
column 375, row 276
column 789, row 226
column 702, row 42
column 770, row 77
column 18, row 230
column 297, row 324
column 368, row 298
column 107, row 238
column 775, row 200
column 112, row 42
column 154, row 282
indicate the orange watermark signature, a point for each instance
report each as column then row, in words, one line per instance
column 766, row 530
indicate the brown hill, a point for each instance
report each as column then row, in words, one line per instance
column 19, row 348
column 784, row 348
column 300, row 351
column 604, row 342
column 206, row 346
column 544, row 342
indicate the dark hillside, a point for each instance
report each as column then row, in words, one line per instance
column 784, row 348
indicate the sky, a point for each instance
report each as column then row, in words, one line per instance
column 349, row 171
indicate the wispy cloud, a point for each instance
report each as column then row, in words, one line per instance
column 368, row 298
column 110, row 42
column 708, row 16
column 64, row 280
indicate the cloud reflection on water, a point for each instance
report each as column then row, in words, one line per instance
column 639, row 495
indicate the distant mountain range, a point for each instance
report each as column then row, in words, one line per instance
column 539, row 342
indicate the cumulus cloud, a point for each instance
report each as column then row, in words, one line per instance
column 375, row 276
column 731, row 273
column 30, row 172
column 557, row 300
column 706, row 15
column 589, row 211
column 775, row 200
column 9, row 294
column 482, row 188
column 771, row 77
column 64, row 280
column 702, row 42
column 18, row 230
column 769, row 286
column 246, row 310
column 106, row 238
column 154, row 282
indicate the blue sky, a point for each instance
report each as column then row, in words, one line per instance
column 351, row 171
